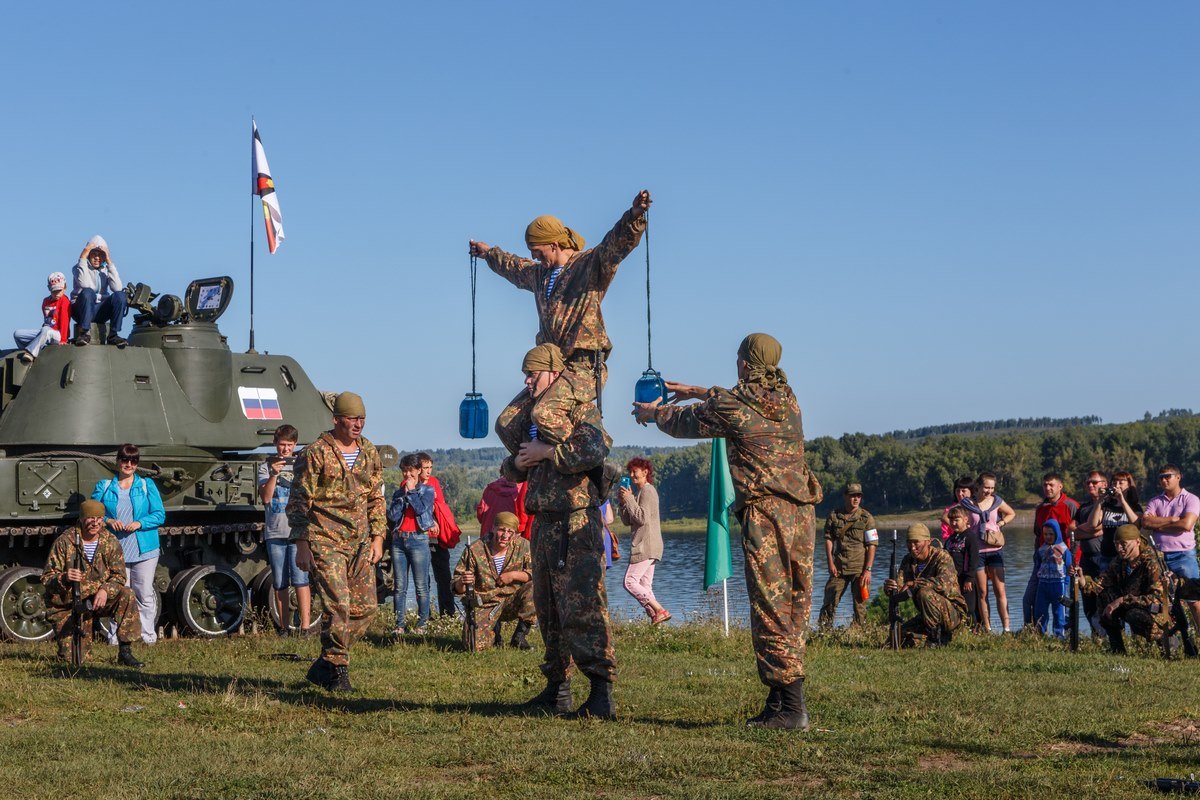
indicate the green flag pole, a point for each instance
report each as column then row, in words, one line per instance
column 718, row 560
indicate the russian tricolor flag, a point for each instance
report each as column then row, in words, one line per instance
column 259, row 403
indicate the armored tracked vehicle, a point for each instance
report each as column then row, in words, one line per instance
column 201, row 415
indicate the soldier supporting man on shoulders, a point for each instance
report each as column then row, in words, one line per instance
column 499, row 569
column 774, row 496
column 928, row 575
column 568, row 566
column 1132, row 591
column 336, row 512
column 102, row 587
column 568, row 285
column 850, row 542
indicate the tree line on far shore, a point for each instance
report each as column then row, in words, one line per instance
column 900, row 472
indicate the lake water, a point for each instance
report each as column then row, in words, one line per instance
column 679, row 578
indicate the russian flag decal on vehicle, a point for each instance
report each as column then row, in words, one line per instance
column 259, row 403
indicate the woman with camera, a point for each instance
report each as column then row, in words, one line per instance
column 1115, row 504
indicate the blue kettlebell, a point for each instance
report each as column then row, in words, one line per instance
column 649, row 387
column 473, row 417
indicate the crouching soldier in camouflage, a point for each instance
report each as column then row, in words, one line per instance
column 927, row 574
column 101, row 579
column 338, row 519
column 1132, row 591
column 568, row 558
column 568, row 285
column 774, row 496
column 499, row 570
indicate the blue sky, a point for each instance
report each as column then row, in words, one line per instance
column 945, row 211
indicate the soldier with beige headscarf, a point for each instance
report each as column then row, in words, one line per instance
column 568, row 285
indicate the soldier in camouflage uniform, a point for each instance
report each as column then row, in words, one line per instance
column 568, row 557
column 1132, row 591
column 338, row 518
column 850, row 542
column 501, row 594
column 774, row 496
column 927, row 574
column 101, row 585
column 568, row 285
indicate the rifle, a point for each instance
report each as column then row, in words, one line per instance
column 76, row 655
column 894, row 603
column 1179, row 614
column 1073, row 601
column 470, row 627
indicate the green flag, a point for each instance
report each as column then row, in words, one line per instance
column 718, row 562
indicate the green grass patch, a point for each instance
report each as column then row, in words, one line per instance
column 993, row 717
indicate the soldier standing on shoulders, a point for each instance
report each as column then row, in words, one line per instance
column 568, row 285
column 928, row 575
column 568, row 562
column 336, row 511
column 850, row 542
column 101, row 585
column 774, row 496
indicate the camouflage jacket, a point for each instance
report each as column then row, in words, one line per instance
column 764, row 434
column 570, row 317
column 106, row 570
column 561, row 482
column 848, row 530
column 477, row 560
column 335, row 502
column 1140, row 581
column 937, row 573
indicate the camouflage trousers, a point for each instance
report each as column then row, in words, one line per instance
column 777, row 539
column 345, row 579
column 551, row 412
column 934, row 611
column 517, row 606
column 121, row 606
column 835, row 589
column 1139, row 620
column 571, row 601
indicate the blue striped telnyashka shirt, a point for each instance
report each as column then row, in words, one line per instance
column 553, row 280
column 350, row 458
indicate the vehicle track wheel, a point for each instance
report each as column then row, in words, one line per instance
column 210, row 600
column 23, row 605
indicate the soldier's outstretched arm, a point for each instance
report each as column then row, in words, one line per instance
column 620, row 241
column 520, row 272
column 704, row 420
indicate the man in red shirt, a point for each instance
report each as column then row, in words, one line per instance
column 56, row 321
column 1060, row 508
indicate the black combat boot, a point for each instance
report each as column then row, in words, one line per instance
column 599, row 704
column 556, row 698
column 341, row 679
column 321, row 674
column 497, row 636
column 774, row 706
column 1116, row 641
column 126, row 658
column 792, row 716
column 518, row 638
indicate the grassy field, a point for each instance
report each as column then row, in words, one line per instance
column 986, row 717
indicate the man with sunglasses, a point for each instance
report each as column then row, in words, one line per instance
column 1171, row 518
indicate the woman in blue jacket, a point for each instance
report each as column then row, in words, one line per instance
column 133, row 511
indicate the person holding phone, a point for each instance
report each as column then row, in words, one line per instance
column 640, row 512
column 274, row 488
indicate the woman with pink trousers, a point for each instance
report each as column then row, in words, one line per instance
column 639, row 510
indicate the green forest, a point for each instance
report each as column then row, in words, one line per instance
column 903, row 470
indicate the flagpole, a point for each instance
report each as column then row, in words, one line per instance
column 253, row 198
column 725, row 595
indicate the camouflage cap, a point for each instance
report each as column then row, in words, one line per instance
column 506, row 519
column 918, row 532
column 1128, row 533
column 90, row 509
column 348, row 404
column 543, row 358
column 853, row 488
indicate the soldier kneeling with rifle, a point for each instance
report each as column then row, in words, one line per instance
column 1133, row 591
column 495, row 573
column 85, row 581
column 927, row 574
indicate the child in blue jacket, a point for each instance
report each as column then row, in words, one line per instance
column 1052, row 566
